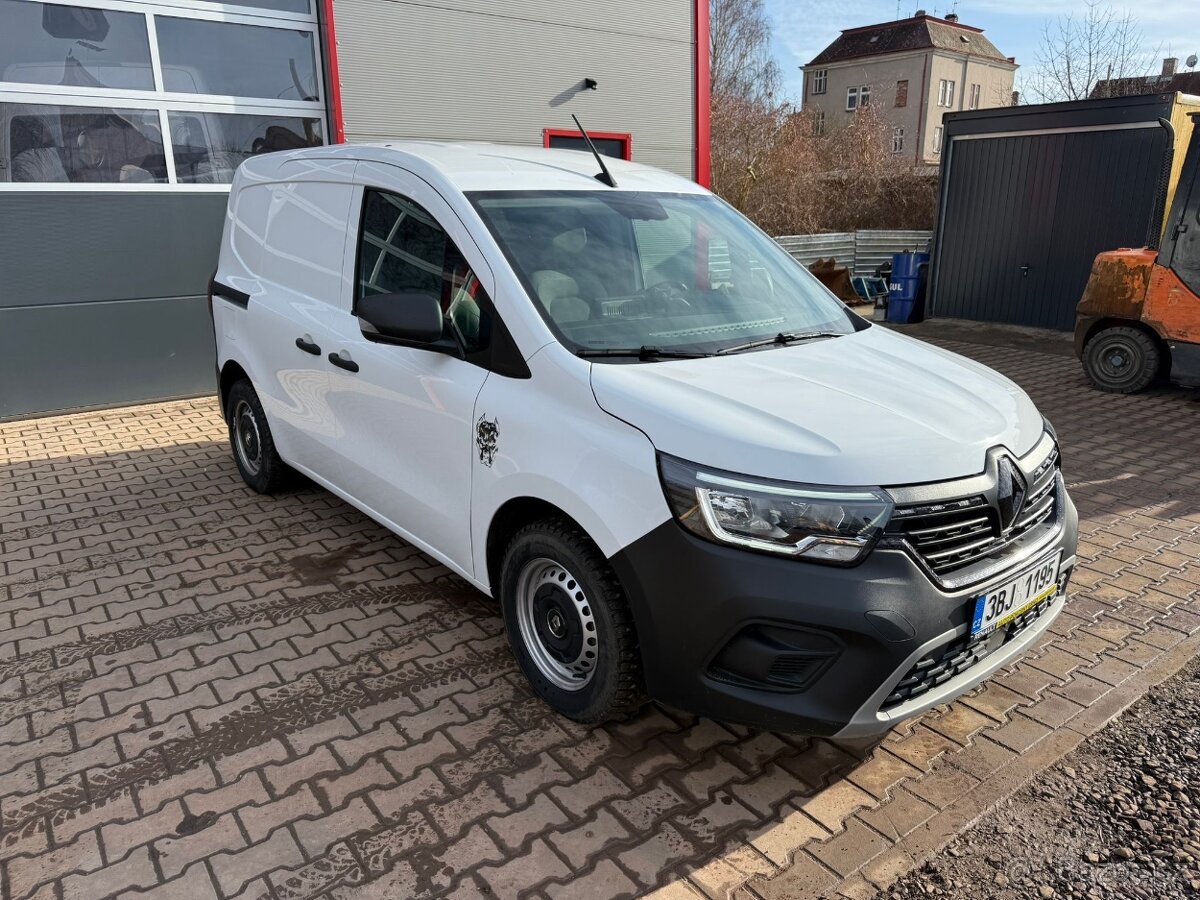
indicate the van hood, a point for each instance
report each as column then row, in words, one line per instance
column 870, row 408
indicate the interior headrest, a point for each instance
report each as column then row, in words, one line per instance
column 550, row 285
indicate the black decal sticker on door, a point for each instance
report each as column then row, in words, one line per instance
column 487, row 436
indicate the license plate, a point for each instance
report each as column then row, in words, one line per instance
column 1006, row 601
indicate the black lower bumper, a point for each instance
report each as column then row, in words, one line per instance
column 786, row 645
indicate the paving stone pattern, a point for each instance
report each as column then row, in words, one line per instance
column 205, row 693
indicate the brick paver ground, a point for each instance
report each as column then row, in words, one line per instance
column 205, row 693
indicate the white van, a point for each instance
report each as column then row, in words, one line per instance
column 683, row 467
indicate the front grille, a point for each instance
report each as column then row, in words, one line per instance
column 951, row 535
column 958, row 656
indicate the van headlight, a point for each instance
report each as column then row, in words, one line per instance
column 822, row 524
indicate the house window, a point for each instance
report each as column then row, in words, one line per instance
column 975, row 92
column 153, row 94
column 946, row 93
column 897, row 140
column 820, row 78
column 937, row 141
column 609, row 143
column 858, row 96
column 902, row 93
column 818, row 122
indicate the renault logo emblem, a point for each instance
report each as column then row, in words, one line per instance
column 1010, row 493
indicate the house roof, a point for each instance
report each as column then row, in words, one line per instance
column 1184, row 82
column 921, row 32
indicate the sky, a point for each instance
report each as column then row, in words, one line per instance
column 802, row 28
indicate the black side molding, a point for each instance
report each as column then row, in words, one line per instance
column 230, row 295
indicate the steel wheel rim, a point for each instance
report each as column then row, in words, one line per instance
column 246, row 437
column 1117, row 361
column 545, row 588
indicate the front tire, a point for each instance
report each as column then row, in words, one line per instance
column 569, row 624
column 1122, row 360
column 251, row 442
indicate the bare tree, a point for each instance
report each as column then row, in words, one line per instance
column 741, row 61
column 769, row 160
column 777, row 170
column 1079, row 50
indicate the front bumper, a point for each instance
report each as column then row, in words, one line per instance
column 864, row 628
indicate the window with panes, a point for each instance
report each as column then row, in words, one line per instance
column 137, row 95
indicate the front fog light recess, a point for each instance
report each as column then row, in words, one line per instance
column 822, row 524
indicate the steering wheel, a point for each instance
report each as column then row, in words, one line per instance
column 666, row 297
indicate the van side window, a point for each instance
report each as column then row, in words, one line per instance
column 402, row 248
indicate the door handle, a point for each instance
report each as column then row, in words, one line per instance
column 308, row 346
column 342, row 363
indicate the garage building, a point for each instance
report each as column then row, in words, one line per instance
column 121, row 123
column 1030, row 194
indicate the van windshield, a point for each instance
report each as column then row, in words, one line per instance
column 681, row 273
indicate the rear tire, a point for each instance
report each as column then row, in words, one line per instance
column 569, row 624
column 251, row 441
column 1122, row 360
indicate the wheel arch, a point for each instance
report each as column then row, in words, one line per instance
column 1103, row 324
column 513, row 515
column 231, row 373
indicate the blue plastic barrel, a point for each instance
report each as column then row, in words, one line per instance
column 904, row 284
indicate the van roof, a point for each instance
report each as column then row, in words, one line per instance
column 482, row 167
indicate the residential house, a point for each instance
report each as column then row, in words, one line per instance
column 1169, row 81
column 914, row 71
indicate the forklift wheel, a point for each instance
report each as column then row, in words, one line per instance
column 1122, row 360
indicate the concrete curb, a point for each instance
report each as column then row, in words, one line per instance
column 927, row 840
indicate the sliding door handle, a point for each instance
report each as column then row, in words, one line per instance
column 342, row 363
column 308, row 346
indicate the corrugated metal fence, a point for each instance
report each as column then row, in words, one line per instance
column 862, row 251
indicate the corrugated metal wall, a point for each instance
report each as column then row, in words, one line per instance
column 861, row 251
column 475, row 70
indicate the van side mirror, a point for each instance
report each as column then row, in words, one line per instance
column 405, row 316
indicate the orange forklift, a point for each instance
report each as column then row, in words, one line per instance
column 1138, row 322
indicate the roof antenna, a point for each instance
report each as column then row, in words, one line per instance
column 605, row 176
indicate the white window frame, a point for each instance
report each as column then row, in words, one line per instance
column 858, row 97
column 898, row 139
column 946, row 93
column 172, row 101
column 937, row 141
column 819, row 123
column 976, row 90
column 820, row 81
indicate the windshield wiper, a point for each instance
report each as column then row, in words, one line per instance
column 642, row 353
column 782, row 340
